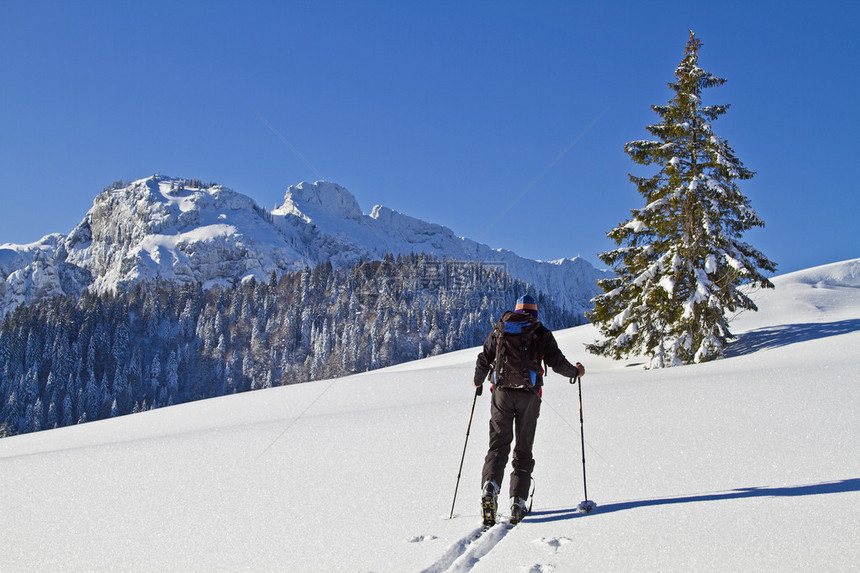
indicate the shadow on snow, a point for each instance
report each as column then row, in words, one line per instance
column 842, row 486
column 786, row 334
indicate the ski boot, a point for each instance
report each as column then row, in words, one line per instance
column 518, row 509
column 489, row 503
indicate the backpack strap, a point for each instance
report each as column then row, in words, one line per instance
column 498, row 334
column 531, row 346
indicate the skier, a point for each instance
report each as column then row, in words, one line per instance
column 513, row 352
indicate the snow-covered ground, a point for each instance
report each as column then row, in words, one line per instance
column 751, row 463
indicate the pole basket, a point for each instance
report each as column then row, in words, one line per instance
column 587, row 506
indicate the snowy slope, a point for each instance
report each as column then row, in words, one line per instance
column 744, row 464
column 161, row 228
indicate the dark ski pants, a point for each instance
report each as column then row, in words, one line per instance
column 513, row 414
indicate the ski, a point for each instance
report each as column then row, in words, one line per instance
column 507, row 523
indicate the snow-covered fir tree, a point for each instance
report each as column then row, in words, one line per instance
column 681, row 261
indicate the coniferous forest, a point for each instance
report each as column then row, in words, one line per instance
column 66, row 361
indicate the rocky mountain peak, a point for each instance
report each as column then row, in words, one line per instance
column 320, row 199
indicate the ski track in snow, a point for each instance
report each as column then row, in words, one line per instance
column 465, row 553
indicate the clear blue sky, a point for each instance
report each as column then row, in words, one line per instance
column 458, row 113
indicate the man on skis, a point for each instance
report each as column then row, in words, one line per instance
column 513, row 353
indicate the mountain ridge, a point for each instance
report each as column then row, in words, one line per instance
column 164, row 228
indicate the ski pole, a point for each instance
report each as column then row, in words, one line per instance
column 463, row 457
column 586, row 505
column 582, row 439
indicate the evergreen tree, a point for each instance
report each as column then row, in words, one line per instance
column 155, row 377
column 123, row 394
column 38, row 419
column 68, row 411
column 680, row 262
column 172, row 376
column 10, row 414
column 93, row 399
column 52, row 420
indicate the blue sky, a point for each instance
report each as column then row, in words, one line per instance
column 467, row 114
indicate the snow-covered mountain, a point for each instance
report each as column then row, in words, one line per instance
column 743, row 464
column 162, row 227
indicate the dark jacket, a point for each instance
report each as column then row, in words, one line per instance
column 546, row 349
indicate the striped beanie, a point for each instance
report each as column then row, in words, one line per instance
column 527, row 304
